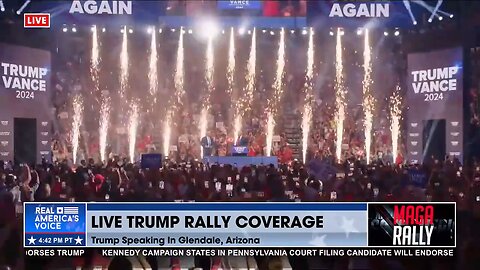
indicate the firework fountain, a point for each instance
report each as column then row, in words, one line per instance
column 339, row 95
column 179, row 93
column 368, row 103
column 76, row 123
column 132, row 130
column 210, row 87
column 152, row 71
column 124, row 64
column 103, row 127
column 274, row 101
column 231, row 69
column 307, row 113
column 95, row 61
column 105, row 102
column 395, row 119
column 245, row 103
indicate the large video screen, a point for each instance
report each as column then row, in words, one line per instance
column 265, row 8
column 435, row 92
column 24, row 93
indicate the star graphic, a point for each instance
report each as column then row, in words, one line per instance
column 318, row 241
column 78, row 240
column 31, row 240
column 347, row 226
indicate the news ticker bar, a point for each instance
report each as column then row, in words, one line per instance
column 218, row 252
column 239, row 225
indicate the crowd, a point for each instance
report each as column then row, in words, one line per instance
column 194, row 181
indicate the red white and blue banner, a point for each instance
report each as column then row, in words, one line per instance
column 239, row 225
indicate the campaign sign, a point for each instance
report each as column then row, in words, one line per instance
column 427, row 225
column 151, row 161
column 54, row 224
column 239, row 4
column 418, row 178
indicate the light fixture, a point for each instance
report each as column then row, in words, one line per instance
column 241, row 31
column 264, row 31
column 130, row 31
column 397, row 33
column 149, row 30
column 74, row 29
column 440, row 18
column 65, row 29
column 173, row 29
column 430, row 20
column 160, row 30
column 414, row 22
column 209, row 28
column 190, row 31
column 272, row 33
column 121, row 30
column 304, row 32
column 104, row 29
column 292, row 31
column 25, row 4
column 359, row 31
column 2, row 7
column 249, row 32
column 451, row 16
column 385, row 33
column 331, row 33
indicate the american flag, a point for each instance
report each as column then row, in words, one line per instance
column 68, row 210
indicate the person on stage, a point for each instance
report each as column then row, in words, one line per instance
column 208, row 144
column 242, row 140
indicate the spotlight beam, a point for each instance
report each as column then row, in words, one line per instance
column 431, row 9
column 25, row 4
column 434, row 13
column 2, row 7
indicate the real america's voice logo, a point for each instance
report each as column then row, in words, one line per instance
column 54, row 224
column 415, row 224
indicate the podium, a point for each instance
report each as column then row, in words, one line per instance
column 239, row 151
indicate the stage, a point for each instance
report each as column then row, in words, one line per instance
column 240, row 161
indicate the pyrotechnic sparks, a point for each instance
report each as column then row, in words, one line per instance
column 274, row 101
column 95, row 60
column 179, row 93
column 368, row 103
column 210, row 88
column 339, row 96
column 132, row 130
column 124, row 64
column 76, row 123
column 231, row 63
column 152, row 71
column 103, row 127
column 244, row 105
column 231, row 73
column 307, row 112
column 179, row 71
column 395, row 119
column 167, row 133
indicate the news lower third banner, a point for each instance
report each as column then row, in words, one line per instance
column 238, row 225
